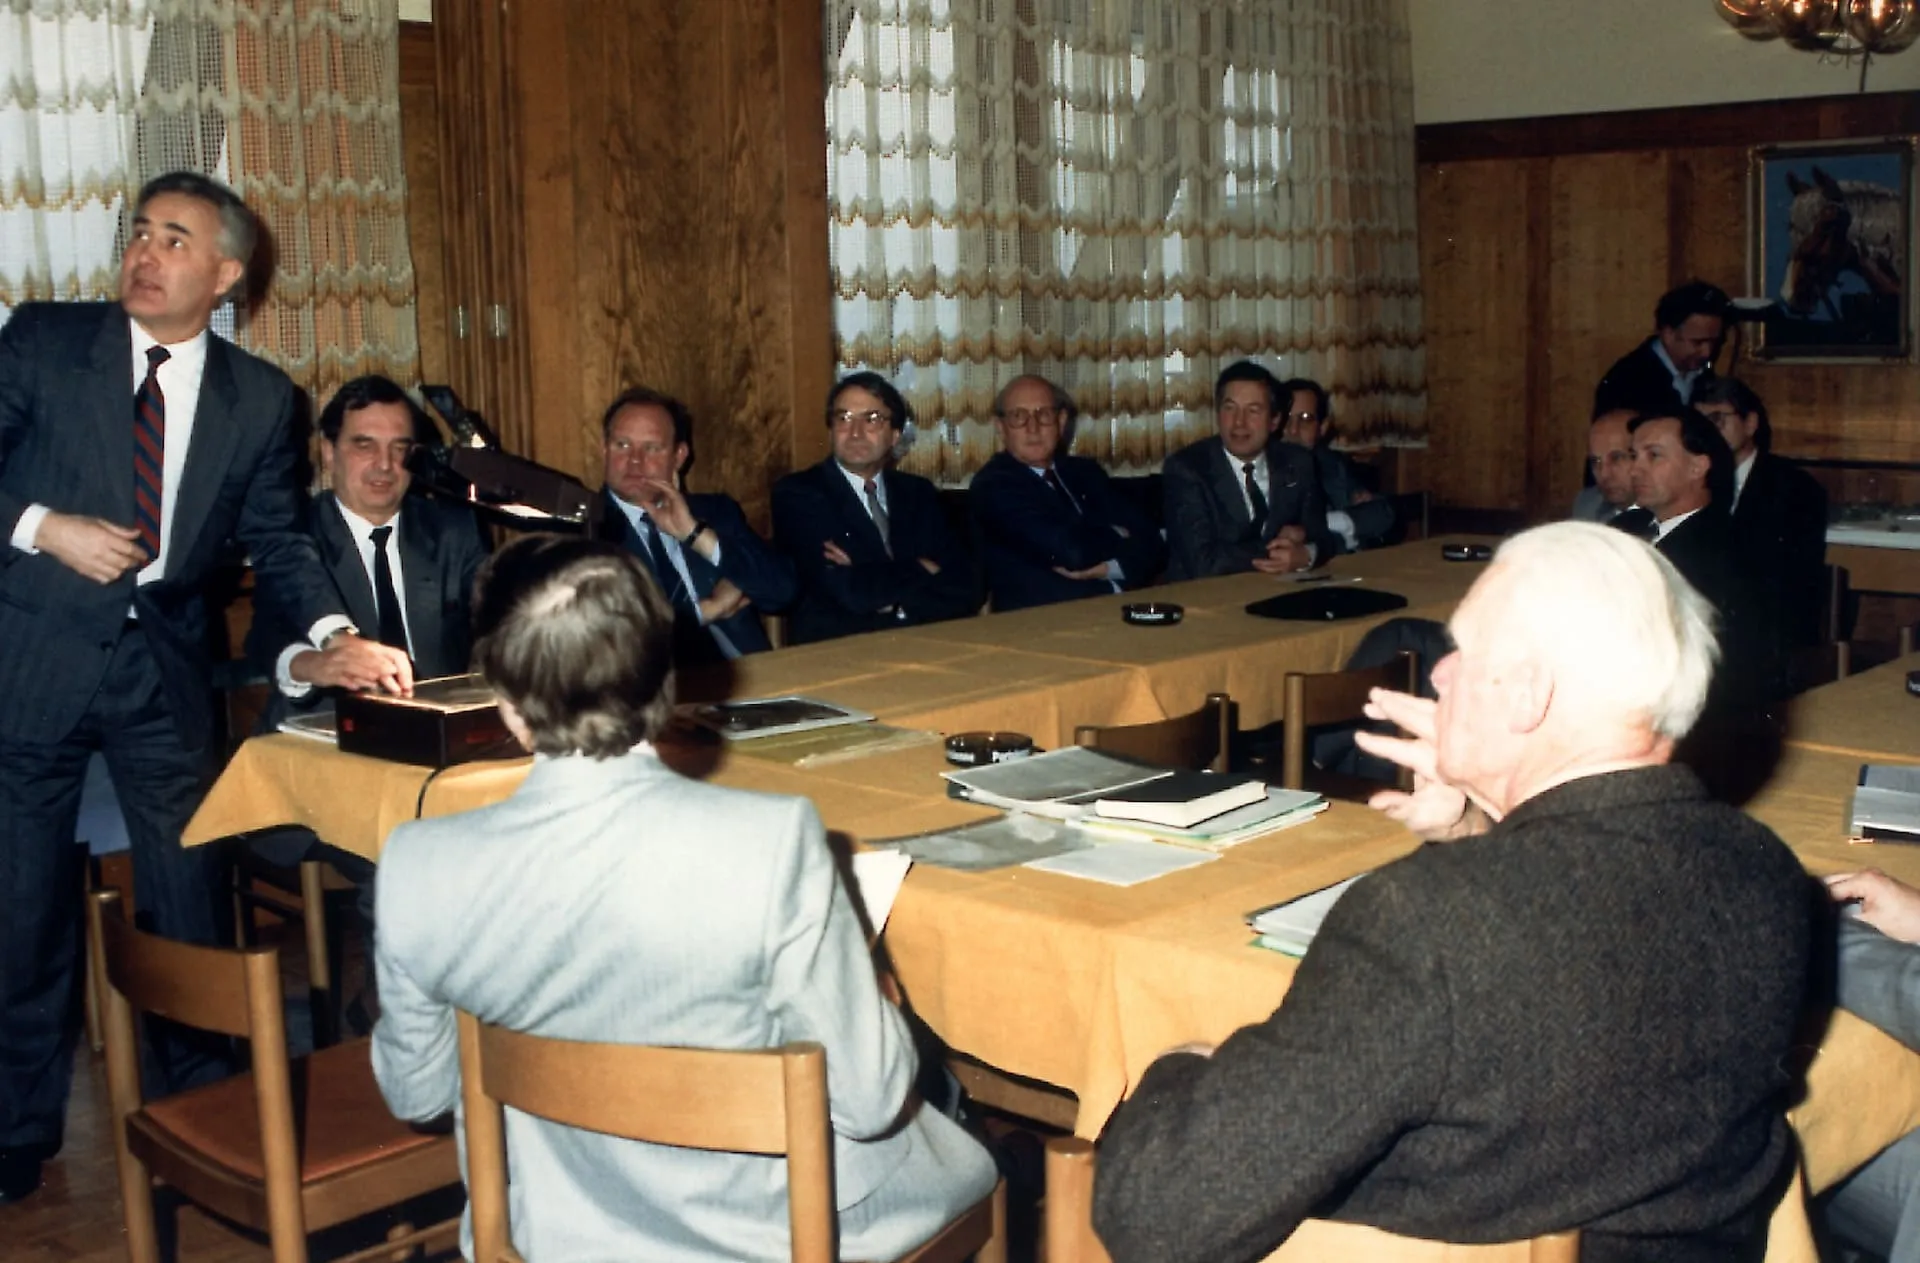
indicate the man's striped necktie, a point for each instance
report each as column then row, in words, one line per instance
column 149, row 450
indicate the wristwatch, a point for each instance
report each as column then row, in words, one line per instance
column 336, row 633
column 694, row 534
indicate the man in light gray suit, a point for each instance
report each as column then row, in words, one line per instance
column 610, row 899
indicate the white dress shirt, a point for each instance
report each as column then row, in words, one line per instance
column 859, row 485
column 1682, row 382
column 1666, row 528
column 362, row 532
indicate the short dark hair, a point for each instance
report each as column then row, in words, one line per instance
column 364, row 392
column 575, row 634
column 1249, row 371
column 1701, row 437
column 648, row 397
column 876, row 385
column 239, row 226
column 1695, row 298
column 1741, row 397
column 1322, row 401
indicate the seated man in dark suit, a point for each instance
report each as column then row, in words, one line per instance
column 871, row 543
column 1356, row 517
column 1579, row 1013
column 1689, row 324
column 1050, row 525
column 1779, row 511
column 1610, row 460
column 714, row 570
column 1243, row 500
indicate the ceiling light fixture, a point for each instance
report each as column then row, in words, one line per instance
column 1839, row 30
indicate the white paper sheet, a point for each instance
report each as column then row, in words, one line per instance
column 876, row 880
column 1124, row 863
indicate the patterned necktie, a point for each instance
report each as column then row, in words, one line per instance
column 386, row 600
column 663, row 568
column 1052, row 477
column 879, row 517
column 149, row 450
column 1254, row 497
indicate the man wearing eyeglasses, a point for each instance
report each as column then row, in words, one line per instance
column 1356, row 517
column 1243, row 499
column 871, row 543
column 1050, row 526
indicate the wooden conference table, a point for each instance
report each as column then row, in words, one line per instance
column 1069, row 982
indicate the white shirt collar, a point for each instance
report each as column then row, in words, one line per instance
column 859, row 483
column 1667, row 527
column 190, row 355
column 1682, row 382
column 1740, row 473
column 361, row 529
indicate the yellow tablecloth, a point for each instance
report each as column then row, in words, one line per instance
column 1870, row 716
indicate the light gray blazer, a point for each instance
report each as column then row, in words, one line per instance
column 617, row 901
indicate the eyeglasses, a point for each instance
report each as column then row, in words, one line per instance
column 1303, row 416
column 1031, row 418
column 869, row 420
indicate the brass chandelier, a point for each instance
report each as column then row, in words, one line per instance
column 1837, row 29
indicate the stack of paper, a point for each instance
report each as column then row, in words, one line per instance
column 1276, row 809
column 1180, row 800
column 1886, row 804
column 1061, row 783
column 1290, row 927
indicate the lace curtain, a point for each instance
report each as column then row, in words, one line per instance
column 1124, row 196
column 294, row 103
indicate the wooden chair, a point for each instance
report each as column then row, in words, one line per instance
column 1834, row 625
column 1334, row 697
column 241, row 1147
column 1412, row 513
column 770, row 1102
column 1816, row 665
column 1198, row 740
column 1070, row 1238
column 317, row 897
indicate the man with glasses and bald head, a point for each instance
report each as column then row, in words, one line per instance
column 1051, row 527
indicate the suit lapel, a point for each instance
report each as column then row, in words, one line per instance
column 853, row 510
column 109, row 412
column 420, row 560
column 1229, row 486
column 215, row 440
column 342, row 560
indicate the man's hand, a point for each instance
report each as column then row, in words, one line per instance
column 1097, row 570
column 836, row 555
column 355, row 663
column 667, row 509
column 1360, row 496
column 929, row 565
column 1286, row 553
column 1434, row 810
column 89, row 546
column 1889, row 906
column 726, row 601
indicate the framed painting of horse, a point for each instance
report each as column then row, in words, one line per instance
column 1831, row 243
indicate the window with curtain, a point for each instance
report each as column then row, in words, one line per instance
column 294, row 103
column 1124, row 196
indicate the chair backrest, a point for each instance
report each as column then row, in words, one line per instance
column 1334, row 697
column 765, row 1102
column 1834, row 625
column 1198, row 740
column 1412, row 511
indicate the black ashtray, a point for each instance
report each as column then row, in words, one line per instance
column 972, row 749
column 1913, row 683
column 1467, row 552
column 1153, row 613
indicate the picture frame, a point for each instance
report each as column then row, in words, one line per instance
column 1830, row 245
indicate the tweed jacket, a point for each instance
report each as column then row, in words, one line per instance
column 1580, row 1018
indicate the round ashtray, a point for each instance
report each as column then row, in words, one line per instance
column 1913, row 683
column 972, row 749
column 1467, row 552
column 1153, row 613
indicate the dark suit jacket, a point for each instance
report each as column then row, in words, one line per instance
column 66, row 441
column 1780, row 523
column 1581, row 1018
column 441, row 550
column 746, row 561
column 1706, row 552
column 812, row 506
column 1208, row 529
column 1025, row 529
column 1373, row 520
column 1639, row 381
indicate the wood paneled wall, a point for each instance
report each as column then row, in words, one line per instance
column 1544, row 246
column 420, row 136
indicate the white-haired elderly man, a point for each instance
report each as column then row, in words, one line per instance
column 1575, row 1014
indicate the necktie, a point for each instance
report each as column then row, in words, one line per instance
column 879, row 517
column 1052, row 477
column 1638, row 523
column 1254, row 497
column 149, row 450
column 393, row 626
column 663, row 568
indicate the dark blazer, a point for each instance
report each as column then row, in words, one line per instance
column 1373, row 520
column 1582, row 1018
column 441, row 550
column 1208, row 529
column 1025, row 529
column 746, row 561
column 1639, row 381
column 1780, row 522
column 1706, row 552
column 66, row 441
column 812, row 506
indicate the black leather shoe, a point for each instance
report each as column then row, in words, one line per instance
column 19, row 1174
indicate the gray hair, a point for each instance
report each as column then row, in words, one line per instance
column 1616, row 617
column 239, row 227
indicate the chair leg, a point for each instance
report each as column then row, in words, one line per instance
column 323, row 957
column 995, row 1250
column 1069, row 1214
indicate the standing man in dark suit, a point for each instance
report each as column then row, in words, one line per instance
column 1779, row 511
column 1244, row 500
column 1050, row 526
column 1356, row 518
column 1579, row 1013
column 871, row 543
column 1689, row 324
column 133, row 446
column 711, row 566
